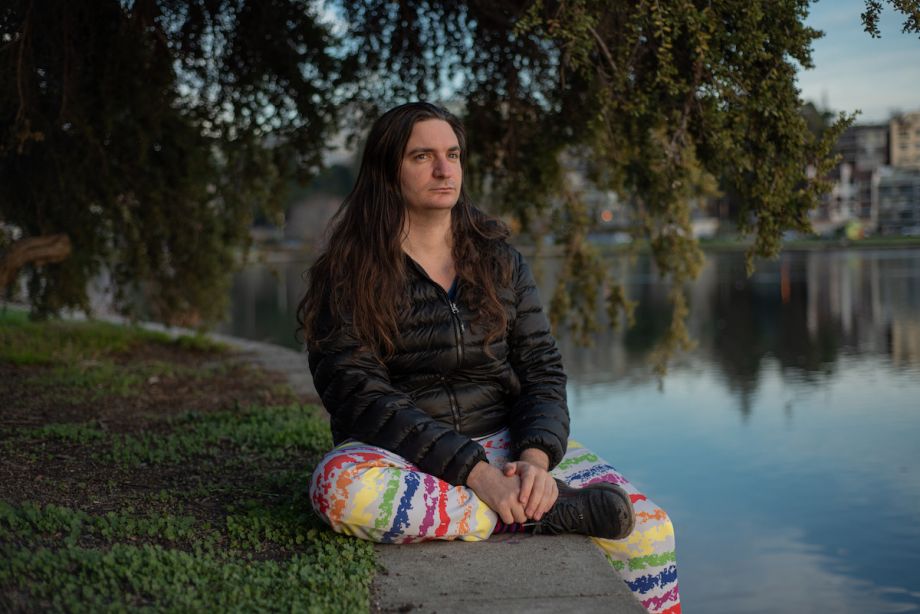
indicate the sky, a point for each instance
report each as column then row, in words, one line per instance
column 855, row 71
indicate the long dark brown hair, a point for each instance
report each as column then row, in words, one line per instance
column 360, row 277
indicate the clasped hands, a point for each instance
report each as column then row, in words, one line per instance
column 521, row 490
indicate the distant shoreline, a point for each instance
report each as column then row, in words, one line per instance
column 276, row 254
column 805, row 245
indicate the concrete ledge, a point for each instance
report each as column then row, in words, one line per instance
column 507, row 573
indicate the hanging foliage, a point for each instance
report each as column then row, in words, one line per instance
column 149, row 132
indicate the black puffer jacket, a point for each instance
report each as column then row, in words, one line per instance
column 440, row 388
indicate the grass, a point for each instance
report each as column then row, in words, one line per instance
column 139, row 472
column 26, row 342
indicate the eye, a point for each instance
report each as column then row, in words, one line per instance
column 454, row 155
column 421, row 156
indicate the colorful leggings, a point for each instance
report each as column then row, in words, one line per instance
column 373, row 494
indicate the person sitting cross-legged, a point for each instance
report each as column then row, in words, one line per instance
column 430, row 350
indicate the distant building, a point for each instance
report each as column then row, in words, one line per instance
column 865, row 150
column 899, row 201
column 864, row 147
column 905, row 140
column 876, row 181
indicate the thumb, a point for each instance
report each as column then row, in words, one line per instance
column 509, row 469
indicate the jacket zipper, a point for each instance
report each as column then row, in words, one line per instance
column 452, row 400
column 458, row 330
column 458, row 340
column 454, row 310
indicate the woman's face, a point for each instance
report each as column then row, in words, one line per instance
column 430, row 174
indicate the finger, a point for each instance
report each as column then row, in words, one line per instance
column 519, row 515
column 506, row 515
column 509, row 469
column 549, row 498
column 535, row 502
column 526, row 487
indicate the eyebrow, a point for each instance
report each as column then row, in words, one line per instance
column 419, row 150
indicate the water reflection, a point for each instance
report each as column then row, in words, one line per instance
column 805, row 311
column 264, row 302
column 785, row 447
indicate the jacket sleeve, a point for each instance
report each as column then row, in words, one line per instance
column 354, row 385
column 540, row 414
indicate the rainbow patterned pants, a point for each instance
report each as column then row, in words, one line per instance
column 373, row 494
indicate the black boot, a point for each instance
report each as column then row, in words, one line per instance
column 599, row 510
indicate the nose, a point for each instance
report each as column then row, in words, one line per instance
column 442, row 167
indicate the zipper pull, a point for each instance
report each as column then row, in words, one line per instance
column 456, row 312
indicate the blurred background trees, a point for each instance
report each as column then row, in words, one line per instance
column 140, row 138
column 149, row 133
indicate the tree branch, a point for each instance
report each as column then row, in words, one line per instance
column 603, row 47
column 37, row 251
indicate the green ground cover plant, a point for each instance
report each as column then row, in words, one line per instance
column 140, row 472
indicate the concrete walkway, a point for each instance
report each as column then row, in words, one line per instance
column 509, row 573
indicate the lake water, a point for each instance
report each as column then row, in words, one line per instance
column 786, row 446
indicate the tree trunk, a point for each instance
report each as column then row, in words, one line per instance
column 36, row 251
